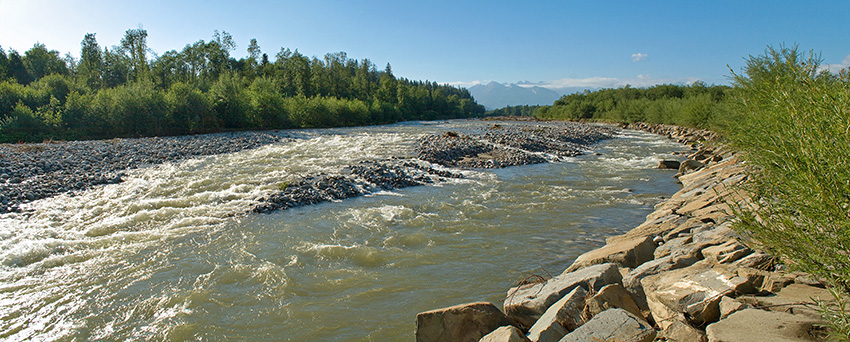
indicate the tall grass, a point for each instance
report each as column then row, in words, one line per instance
column 794, row 129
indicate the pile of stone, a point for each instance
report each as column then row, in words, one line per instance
column 29, row 172
column 355, row 180
column 682, row 275
column 510, row 144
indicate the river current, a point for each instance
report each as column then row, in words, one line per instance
column 170, row 253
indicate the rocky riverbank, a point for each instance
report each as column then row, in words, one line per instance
column 682, row 275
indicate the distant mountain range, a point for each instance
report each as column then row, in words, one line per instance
column 495, row 95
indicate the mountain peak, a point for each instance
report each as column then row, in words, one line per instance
column 497, row 95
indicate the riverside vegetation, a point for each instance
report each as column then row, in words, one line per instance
column 119, row 92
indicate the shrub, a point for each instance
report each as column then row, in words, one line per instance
column 794, row 131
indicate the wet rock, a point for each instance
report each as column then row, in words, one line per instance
column 525, row 304
column 613, row 325
column 462, row 323
column 668, row 164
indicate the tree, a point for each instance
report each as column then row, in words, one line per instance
column 40, row 62
column 254, row 51
column 91, row 62
column 4, row 65
column 135, row 45
column 116, row 68
column 17, row 70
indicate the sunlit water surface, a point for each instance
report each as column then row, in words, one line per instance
column 170, row 255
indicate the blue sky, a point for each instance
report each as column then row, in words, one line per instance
column 553, row 43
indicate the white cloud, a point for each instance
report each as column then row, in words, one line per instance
column 835, row 68
column 637, row 57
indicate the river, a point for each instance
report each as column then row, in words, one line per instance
column 169, row 254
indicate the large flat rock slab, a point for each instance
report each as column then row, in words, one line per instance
column 753, row 325
column 525, row 304
column 613, row 325
column 692, row 294
column 627, row 253
column 465, row 322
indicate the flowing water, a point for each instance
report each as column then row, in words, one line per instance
column 170, row 255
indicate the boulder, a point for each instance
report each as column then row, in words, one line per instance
column 668, row 164
column 627, row 253
column 798, row 299
column 525, row 304
column 507, row 333
column 729, row 306
column 769, row 326
column 728, row 252
column 756, row 260
column 562, row 317
column 613, row 325
column 690, row 165
column 465, row 322
column 682, row 332
column 680, row 258
column 691, row 294
column 609, row 297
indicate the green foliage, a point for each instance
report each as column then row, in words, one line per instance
column 696, row 105
column 794, row 131
column 21, row 125
column 189, row 110
column 119, row 92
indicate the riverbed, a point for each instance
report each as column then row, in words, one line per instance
column 172, row 252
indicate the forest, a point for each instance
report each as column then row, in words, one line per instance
column 695, row 105
column 128, row 91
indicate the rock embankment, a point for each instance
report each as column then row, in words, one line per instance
column 29, row 172
column 682, row 275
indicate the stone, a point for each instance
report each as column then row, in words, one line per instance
column 756, row 260
column 691, row 294
column 682, row 332
column 507, row 333
column 465, row 322
column 628, row 253
column 681, row 258
column 759, row 325
column 613, row 325
column 726, row 253
column 775, row 281
column 756, row 276
column 668, row 164
column 729, row 306
column 690, row 165
column 796, row 299
column 562, row 317
column 609, row 297
column 525, row 304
